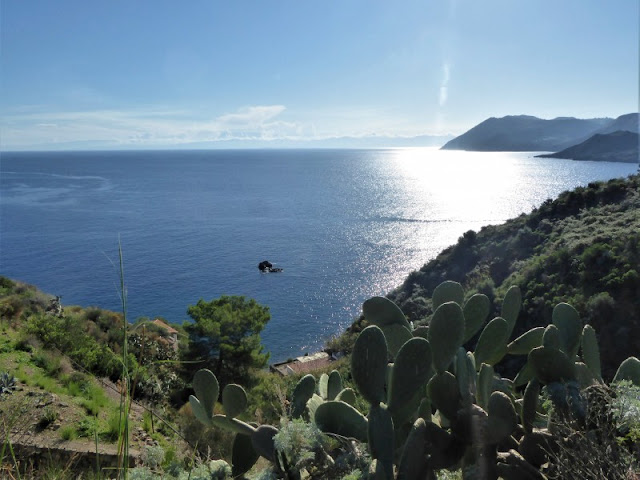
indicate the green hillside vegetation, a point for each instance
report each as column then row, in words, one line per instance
column 582, row 248
column 61, row 377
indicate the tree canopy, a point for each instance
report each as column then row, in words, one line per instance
column 225, row 335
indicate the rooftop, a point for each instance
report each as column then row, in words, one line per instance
column 304, row 364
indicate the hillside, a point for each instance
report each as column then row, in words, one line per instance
column 582, row 248
column 628, row 123
column 526, row 133
column 619, row 146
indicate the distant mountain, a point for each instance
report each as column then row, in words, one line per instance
column 527, row 133
column 619, row 146
column 628, row 123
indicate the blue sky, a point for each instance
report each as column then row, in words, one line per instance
column 153, row 73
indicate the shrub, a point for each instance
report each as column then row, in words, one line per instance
column 49, row 415
column 214, row 442
column 152, row 456
column 592, row 452
column 68, row 433
column 87, row 427
column 115, row 425
column 50, row 362
column 626, row 409
column 299, row 441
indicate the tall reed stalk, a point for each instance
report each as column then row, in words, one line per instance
column 125, row 394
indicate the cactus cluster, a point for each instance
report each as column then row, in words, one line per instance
column 432, row 404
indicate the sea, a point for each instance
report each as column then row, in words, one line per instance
column 344, row 225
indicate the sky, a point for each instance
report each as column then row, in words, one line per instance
column 167, row 74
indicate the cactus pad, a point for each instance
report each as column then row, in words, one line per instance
column 369, row 364
column 551, row 365
column 629, row 370
column 262, row 441
column 413, row 462
column 511, row 307
column 551, row 337
column 199, row 412
column 410, row 372
column 530, row 405
column 234, row 400
column 567, row 319
column 396, row 336
column 381, row 311
column 476, row 311
column 312, row 405
column 243, row 455
column 381, row 438
column 526, row 342
column 524, row 376
column 421, row 331
column 591, row 351
column 503, row 419
column 341, row 419
column 584, row 376
column 444, row 394
column 303, row 391
column 446, row 334
column 348, row 396
column 492, row 344
column 485, row 385
column 447, row 292
column 334, row 385
column 323, row 386
column 207, row 390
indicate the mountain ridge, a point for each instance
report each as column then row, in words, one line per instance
column 529, row 133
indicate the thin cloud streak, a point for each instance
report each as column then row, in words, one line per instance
column 444, row 86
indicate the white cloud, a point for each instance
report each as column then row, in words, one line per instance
column 162, row 127
column 251, row 115
column 141, row 126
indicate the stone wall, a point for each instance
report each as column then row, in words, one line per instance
column 32, row 458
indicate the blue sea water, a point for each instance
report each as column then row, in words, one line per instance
column 343, row 224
